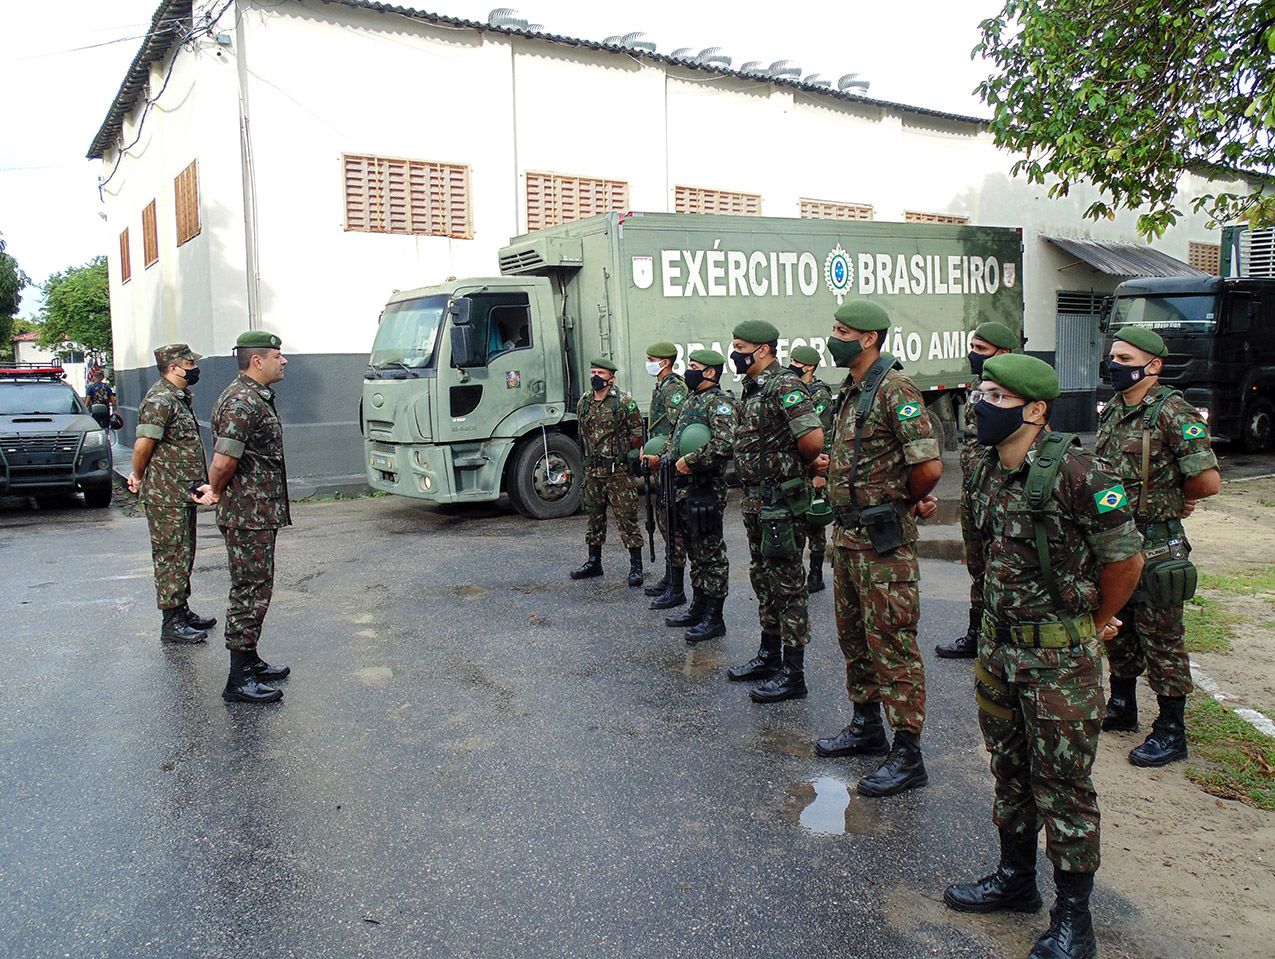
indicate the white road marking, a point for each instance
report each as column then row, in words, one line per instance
column 1258, row 720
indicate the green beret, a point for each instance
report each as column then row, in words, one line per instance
column 998, row 334
column 863, row 316
column 1143, row 339
column 756, row 331
column 602, row 363
column 662, row 350
column 708, row 357
column 258, row 340
column 173, row 353
column 805, row 355
column 1030, row 378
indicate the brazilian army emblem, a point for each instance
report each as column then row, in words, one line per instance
column 1110, row 499
column 838, row 273
column 792, row 399
column 513, row 380
column 908, row 410
column 1193, row 431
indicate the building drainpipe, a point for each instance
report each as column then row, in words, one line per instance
column 252, row 268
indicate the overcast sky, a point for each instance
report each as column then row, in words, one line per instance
column 62, row 61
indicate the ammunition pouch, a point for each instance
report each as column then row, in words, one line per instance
column 607, row 464
column 703, row 517
column 796, row 495
column 993, row 695
column 778, row 537
column 1167, row 583
column 884, row 527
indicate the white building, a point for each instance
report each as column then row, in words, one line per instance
column 285, row 166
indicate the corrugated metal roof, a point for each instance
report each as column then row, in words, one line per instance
column 1123, row 259
column 166, row 31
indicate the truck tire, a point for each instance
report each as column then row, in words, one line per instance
column 546, row 488
column 1259, row 425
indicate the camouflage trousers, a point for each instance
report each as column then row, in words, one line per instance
column 1152, row 641
column 878, row 605
column 600, row 490
column 710, row 569
column 780, row 587
column 676, row 550
column 974, row 560
column 1040, row 711
column 172, row 551
column 816, row 537
column 250, row 553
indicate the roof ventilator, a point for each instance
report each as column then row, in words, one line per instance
column 852, row 85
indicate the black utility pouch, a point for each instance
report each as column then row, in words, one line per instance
column 1168, row 583
column 778, row 540
column 702, row 515
column 883, row 526
column 796, row 494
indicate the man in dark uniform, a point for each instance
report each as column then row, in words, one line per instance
column 805, row 361
column 610, row 426
column 1039, row 671
column 99, row 391
column 170, row 476
column 250, row 486
column 778, row 443
column 666, row 401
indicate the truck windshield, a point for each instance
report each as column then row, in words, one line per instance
column 1185, row 313
column 47, row 398
column 405, row 338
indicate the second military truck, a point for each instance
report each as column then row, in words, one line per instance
column 472, row 384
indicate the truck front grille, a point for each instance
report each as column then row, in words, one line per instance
column 40, row 459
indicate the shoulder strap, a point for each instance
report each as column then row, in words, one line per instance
column 1149, row 420
column 1042, row 477
column 871, row 383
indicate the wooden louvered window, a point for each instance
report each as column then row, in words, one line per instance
column 553, row 198
column 1206, row 257
column 387, row 195
column 912, row 216
column 150, row 235
column 691, row 199
column 126, row 264
column 834, row 210
column 186, row 197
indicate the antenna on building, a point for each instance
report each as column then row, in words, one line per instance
column 506, row 17
column 851, row 84
column 784, row 68
column 816, row 80
column 713, row 55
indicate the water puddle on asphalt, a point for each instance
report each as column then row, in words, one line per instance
column 376, row 675
column 469, row 591
column 828, row 807
column 697, row 662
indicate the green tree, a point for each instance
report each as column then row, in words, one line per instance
column 77, row 307
column 12, row 283
column 1130, row 94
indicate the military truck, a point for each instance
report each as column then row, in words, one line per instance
column 472, row 385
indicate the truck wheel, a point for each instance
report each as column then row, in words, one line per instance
column 1259, row 425
column 546, row 486
column 98, row 497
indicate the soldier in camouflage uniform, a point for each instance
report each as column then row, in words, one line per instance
column 1039, row 680
column 778, row 440
column 1181, row 469
column 171, row 477
column 250, row 485
column 709, row 406
column 876, row 576
column 610, row 427
column 989, row 339
column 805, row 360
column 666, row 400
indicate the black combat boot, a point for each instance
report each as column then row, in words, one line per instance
column 762, row 666
column 712, row 625
column 194, row 621
column 963, row 647
column 176, row 630
column 242, row 685
column 788, row 683
column 814, row 579
column 865, row 735
column 635, row 566
column 592, row 567
column 1122, row 706
column 266, row 673
column 656, row 588
column 1167, row 742
column 692, row 614
column 1070, row 933
column 903, row 768
column 1011, row 886
column 674, row 595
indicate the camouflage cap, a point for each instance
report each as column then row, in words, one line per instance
column 805, row 355
column 863, row 316
column 1143, row 339
column 1027, row 376
column 662, row 350
column 708, row 357
column 756, row 331
column 997, row 334
column 174, row 353
column 258, row 340
column 602, row 363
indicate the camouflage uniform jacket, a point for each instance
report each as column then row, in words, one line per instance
column 165, row 415
column 970, row 448
column 775, row 411
column 246, row 426
column 666, row 401
column 1179, row 450
column 897, row 435
column 821, row 396
column 716, row 410
column 608, row 427
column 1088, row 524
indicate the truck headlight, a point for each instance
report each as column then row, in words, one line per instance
column 94, row 440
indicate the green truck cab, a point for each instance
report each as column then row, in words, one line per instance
column 472, row 385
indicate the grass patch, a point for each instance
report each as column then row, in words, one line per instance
column 1251, row 582
column 1209, row 626
column 1242, row 760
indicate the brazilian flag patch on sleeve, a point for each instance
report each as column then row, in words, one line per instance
column 1109, row 499
column 1193, row 431
column 632, row 406
column 908, row 411
column 793, row 398
column 675, row 398
column 820, row 408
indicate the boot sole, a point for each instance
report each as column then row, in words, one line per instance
column 873, row 793
column 1119, row 727
column 174, row 641
column 942, row 652
column 762, row 675
column 767, row 700
column 1145, row 764
column 696, row 640
column 979, row 908
column 881, row 750
column 671, row 604
column 237, row 698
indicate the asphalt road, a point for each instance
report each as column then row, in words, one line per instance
column 474, row 757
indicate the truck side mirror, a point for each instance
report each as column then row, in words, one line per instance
column 1104, row 315
column 458, row 310
column 464, row 352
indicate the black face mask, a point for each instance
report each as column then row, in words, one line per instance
column 797, row 371
column 976, row 362
column 1125, row 377
column 742, row 361
column 599, row 384
column 191, row 375
column 993, row 425
column 694, row 379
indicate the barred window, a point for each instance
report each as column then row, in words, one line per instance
column 1206, row 257
column 126, row 264
column 553, row 198
column 692, row 199
column 150, row 235
column 186, row 197
column 834, row 210
column 912, row 216
column 388, row 195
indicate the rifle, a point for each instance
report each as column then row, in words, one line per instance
column 650, row 508
column 668, row 490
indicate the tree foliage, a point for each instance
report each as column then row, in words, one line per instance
column 12, row 283
column 77, row 307
column 1130, row 94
